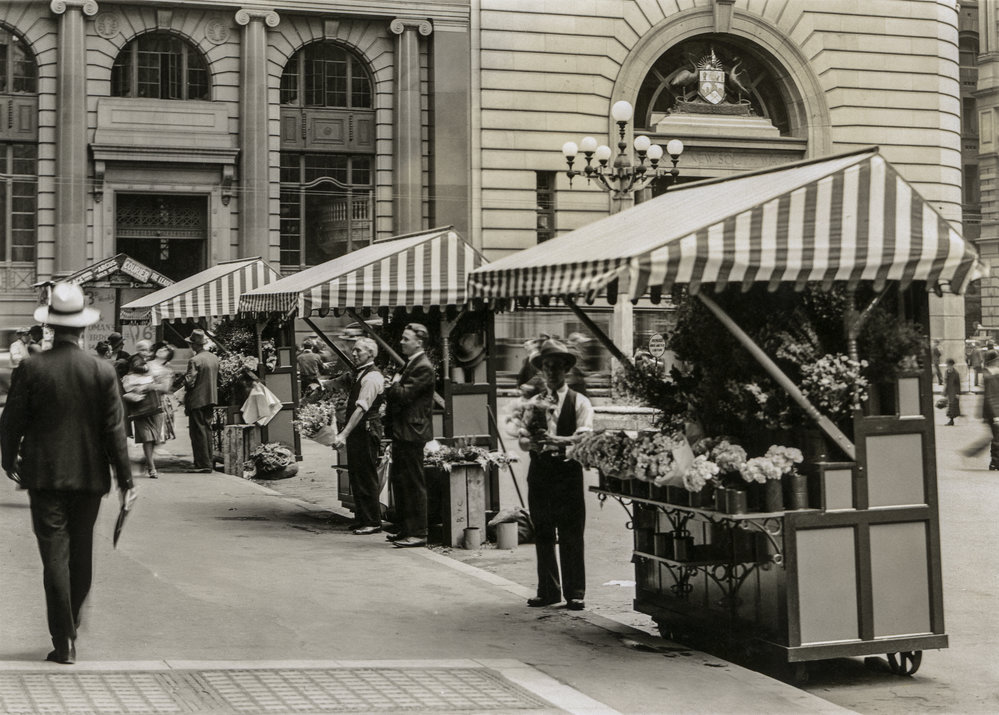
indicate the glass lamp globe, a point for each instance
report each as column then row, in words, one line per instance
column 622, row 111
column 603, row 153
column 655, row 152
column 569, row 150
column 674, row 147
column 588, row 145
column 642, row 143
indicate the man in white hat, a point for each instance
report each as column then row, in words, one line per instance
column 61, row 435
column 200, row 398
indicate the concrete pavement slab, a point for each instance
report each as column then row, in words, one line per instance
column 216, row 568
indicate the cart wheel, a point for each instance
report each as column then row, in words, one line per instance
column 906, row 663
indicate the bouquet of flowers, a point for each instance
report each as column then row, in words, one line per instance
column 833, row 383
column 436, row 455
column 661, row 458
column 777, row 462
column 317, row 421
column 701, row 472
column 610, row 451
column 528, row 419
column 269, row 457
column 728, row 456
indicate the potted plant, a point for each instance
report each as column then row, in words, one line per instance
column 272, row 460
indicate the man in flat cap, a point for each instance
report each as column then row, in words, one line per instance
column 61, row 434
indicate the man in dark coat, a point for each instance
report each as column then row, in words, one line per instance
column 555, row 491
column 200, row 398
column 410, row 400
column 61, row 434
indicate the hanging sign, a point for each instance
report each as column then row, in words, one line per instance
column 657, row 345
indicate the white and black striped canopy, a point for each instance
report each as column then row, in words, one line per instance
column 214, row 292
column 848, row 218
column 424, row 269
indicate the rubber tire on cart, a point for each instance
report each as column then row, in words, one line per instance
column 905, row 662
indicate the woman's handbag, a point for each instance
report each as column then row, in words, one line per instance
column 148, row 405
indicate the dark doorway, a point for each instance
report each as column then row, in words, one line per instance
column 167, row 232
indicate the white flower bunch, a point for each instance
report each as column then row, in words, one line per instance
column 784, row 458
column 702, row 471
column 760, row 469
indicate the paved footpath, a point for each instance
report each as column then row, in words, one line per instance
column 225, row 596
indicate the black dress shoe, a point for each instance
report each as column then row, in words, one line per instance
column 394, row 537
column 575, row 604
column 367, row 530
column 65, row 652
column 539, row 602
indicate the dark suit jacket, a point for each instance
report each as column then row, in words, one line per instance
column 64, row 417
column 202, row 381
column 411, row 402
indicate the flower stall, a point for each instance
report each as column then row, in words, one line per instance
column 419, row 277
column 786, row 502
column 213, row 294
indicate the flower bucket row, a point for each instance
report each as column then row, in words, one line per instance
column 716, row 474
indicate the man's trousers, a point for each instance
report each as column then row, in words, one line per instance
column 362, row 470
column 63, row 523
column 409, row 488
column 199, row 427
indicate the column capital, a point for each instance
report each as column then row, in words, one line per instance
column 269, row 17
column 400, row 24
column 89, row 7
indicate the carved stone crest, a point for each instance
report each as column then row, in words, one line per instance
column 216, row 31
column 107, row 25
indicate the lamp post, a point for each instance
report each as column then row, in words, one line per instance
column 621, row 180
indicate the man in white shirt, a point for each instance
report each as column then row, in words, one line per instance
column 19, row 348
column 362, row 436
column 556, row 496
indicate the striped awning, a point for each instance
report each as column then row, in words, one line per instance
column 848, row 218
column 214, row 292
column 423, row 269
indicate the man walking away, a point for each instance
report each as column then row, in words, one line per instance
column 555, row 490
column 201, row 381
column 362, row 436
column 61, row 434
column 410, row 404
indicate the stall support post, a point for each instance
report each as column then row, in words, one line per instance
column 827, row 425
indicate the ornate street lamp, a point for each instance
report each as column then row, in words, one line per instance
column 622, row 177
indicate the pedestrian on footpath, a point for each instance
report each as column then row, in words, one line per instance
column 61, row 434
column 19, row 348
column 362, row 435
column 410, row 402
column 201, row 394
column 952, row 392
column 937, row 354
column 555, row 491
column 143, row 408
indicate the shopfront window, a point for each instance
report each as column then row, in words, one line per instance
column 159, row 65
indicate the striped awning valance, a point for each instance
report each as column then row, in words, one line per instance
column 847, row 218
column 213, row 292
column 424, row 269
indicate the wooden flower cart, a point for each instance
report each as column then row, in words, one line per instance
column 425, row 274
column 857, row 571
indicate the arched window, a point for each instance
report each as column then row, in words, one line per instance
column 18, row 162
column 324, row 74
column 327, row 155
column 159, row 65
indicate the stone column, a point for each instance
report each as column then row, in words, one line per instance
column 407, row 182
column 254, row 134
column 71, row 135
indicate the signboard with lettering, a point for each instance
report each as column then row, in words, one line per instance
column 657, row 345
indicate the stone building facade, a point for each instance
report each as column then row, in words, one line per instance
column 191, row 132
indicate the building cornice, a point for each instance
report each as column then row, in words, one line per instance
column 458, row 11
